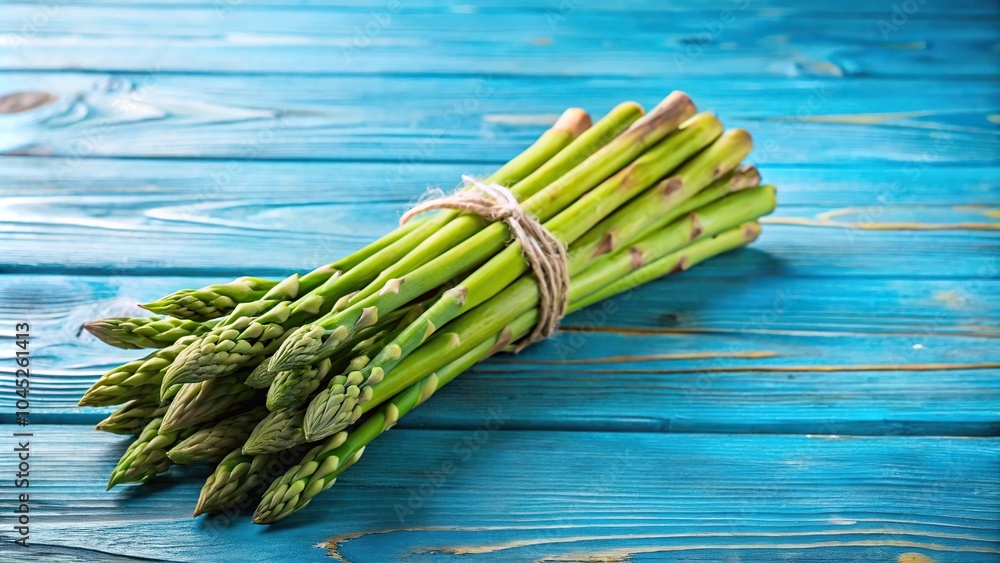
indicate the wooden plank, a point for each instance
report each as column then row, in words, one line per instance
column 845, row 9
column 413, row 120
column 467, row 496
column 773, row 355
column 210, row 39
column 161, row 185
column 102, row 234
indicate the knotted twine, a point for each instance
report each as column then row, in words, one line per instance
column 543, row 252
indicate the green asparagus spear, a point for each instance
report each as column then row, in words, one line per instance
column 139, row 379
column 213, row 443
column 234, row 477
column 147, row 457
column 292, row 387
column 211, row 301
column 132, row 417
column 205, row 401
column 144, row 332
column 238, row 475
column 279, row 430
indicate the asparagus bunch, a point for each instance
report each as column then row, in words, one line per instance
column 253, row 373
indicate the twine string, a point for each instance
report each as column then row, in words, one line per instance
column 544, row 253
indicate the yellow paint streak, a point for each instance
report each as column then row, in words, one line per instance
column 516, row 544
column 650, row 358
column 867, row 118
column 913, row 558
column 629, row 552
column 973, row 330
column 951, row 298
column 828, row 219
column 807, row 369
column 908, row 46
column 333, row 542
column 902, row 226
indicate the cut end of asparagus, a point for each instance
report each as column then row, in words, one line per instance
column 746, row 177
column 573, row 120
column 676, row 107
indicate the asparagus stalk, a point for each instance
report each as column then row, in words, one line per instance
column 238, row 475
column 708, row 221
column 282, row 428
column 289, row 388
column 144, row 332
column 678, row 261
column 322, row 465
column 312, row 342
column 215, row 442
column 333, row 409
column 139, row 379
column 465, row 225
column 146, row 457
column 665, row 202
column 279, row 430
column 211, row 301
column 247, row 336
column 292, row 387
column 198, row 403
column 132, row 417
column 234, row 477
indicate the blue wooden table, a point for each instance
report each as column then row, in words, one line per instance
column 829, row 394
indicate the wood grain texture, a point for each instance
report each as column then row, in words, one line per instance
column 394, row 40
column 634, row 497
column 683, row 354
column 847, row 8
column 478, row 118
column 152, row 145
column 112, row 217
